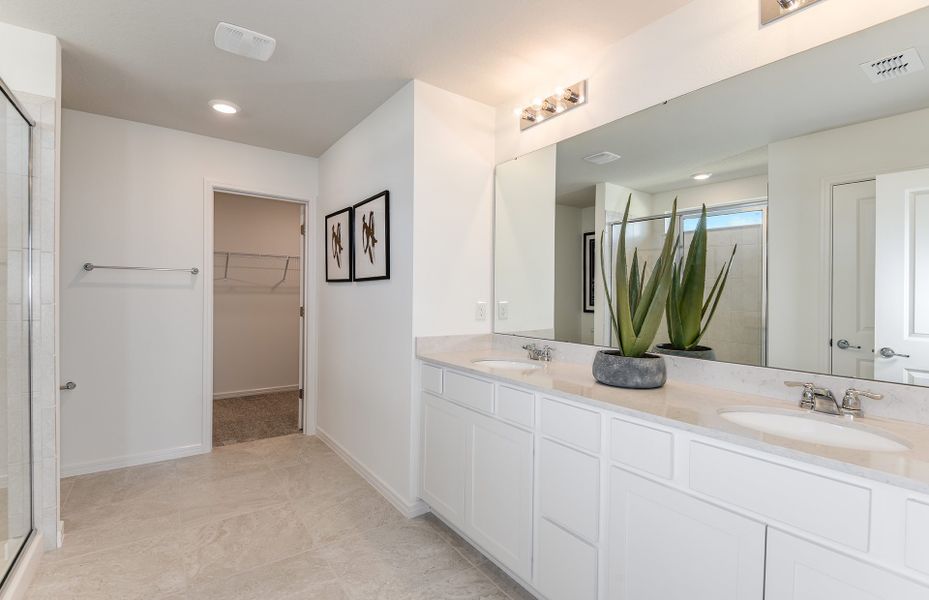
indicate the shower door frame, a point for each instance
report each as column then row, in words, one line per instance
column 11, row 574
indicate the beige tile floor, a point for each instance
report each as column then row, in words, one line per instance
column 280, row 518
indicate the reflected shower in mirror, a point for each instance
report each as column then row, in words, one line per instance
column 814, row 170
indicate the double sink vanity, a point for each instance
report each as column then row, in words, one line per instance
column 586, row 492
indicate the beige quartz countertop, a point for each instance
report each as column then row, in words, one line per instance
column 696, row 408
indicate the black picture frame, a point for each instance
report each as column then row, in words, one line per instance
column 381, row 237
column 589, row 251
column 346, row 244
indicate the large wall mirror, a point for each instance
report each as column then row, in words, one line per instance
column 814, row 168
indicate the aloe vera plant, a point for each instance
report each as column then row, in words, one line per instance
column 638, row 298
column 688, row 312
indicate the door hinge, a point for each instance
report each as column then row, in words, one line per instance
column 303, row 230
column 300, row 394
column 301, row 311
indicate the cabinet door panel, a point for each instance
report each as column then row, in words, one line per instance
column 667, row 545
column 500, row 507
column 566, row 566
column 445, row 456
column 800, row 570
column 569, row 489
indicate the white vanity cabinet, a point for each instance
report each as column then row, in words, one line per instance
column 584, row 502
column 801, row 570
column 667, row 544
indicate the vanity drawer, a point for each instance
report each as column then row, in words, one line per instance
column 917, row 536
column 644, row 448
column 470, row 391
column 571, row 424
column 514, row 405
column 832, row 509
column 432, row 379
column 569, row 489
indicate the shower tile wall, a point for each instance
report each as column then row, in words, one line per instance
column 44, row 311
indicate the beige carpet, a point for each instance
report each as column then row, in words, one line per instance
column 248, row 418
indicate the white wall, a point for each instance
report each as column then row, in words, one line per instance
column 569, row 271
column 802, row 171
column 703, row 42
column 28, row 61
column 712, row 194
column 524, row 243
column 365, row 335
column 453, row 225
column 256, row 321
column 133, row 194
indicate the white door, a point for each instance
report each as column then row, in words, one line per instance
column 500, row 492
column 901, row 328
column 853, row 209
column 667, row 545
column 800, row 570
column 445, row 458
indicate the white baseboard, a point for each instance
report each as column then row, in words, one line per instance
column 256, row 392
column 23, row 572
column 408, row 510
column 133, row 460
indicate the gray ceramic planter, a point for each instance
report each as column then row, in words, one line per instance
column 612, row 368
column 701, row 352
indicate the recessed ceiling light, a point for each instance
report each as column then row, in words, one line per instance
column 701, row 176
column 224, row 106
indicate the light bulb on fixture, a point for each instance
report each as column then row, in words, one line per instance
column 788, row 4
column 537, row 103
column 224, row 106
column 559, row 91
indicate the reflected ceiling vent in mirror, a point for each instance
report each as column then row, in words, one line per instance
column 244, row 42
column 891, row 67
column 601, row 158
column 771, row 10
column 542, row 109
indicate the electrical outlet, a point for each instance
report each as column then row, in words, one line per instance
column 503, row 310
column 480, row 311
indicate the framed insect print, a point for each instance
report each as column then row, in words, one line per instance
column 371, row 238
column 338, row 237
column 589, row 252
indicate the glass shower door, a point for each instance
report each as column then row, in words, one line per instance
column 15, row 293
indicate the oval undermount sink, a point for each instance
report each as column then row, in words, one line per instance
column 510, row 365
column 816, row 429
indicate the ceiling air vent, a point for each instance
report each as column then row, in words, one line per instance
column 891, row 67
column 243, row 42
column 601, row 158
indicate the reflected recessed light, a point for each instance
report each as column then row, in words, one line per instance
column 701, row 176
column 224, row 106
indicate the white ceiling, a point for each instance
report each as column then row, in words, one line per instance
column 725, row 128
column 153, row 60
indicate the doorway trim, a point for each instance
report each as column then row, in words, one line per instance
column 210, row 187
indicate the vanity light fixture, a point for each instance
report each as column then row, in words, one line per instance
column 701, row 176
column 771, row 10
column 563, row 100
column 224, row 106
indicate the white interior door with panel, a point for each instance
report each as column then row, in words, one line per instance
column 853, row 239
column 901, row 335
column 667, row 545
column 800, row 570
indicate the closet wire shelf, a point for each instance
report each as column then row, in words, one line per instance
column 227, row 254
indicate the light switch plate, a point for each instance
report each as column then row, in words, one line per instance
column 503, row 310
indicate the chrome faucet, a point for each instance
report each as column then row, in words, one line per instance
column 535, row 353
column 822, row 400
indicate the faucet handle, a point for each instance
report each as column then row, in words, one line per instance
column 808, row 399
column 851, row 402
column 864, row 394
column 808, row 386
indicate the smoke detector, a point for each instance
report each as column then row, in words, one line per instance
column 893, row 66
column 601, row 158
column 244, row 42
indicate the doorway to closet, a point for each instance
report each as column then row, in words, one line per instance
column 258, row 247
